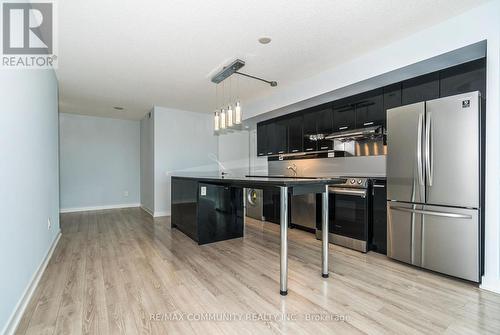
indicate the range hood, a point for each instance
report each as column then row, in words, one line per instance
column 357, row 134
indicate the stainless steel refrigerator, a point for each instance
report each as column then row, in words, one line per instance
column 433, row 185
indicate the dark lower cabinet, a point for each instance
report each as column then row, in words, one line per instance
column 421, row 88
column 271, row 208
column 378, row 231
column 369, row 109
column 464, row 78
column 207, row 212
column 295, row 135
column 343, row 115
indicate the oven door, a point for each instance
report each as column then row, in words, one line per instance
column 348, row 212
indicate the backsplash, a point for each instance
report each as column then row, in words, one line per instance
column 366, row 166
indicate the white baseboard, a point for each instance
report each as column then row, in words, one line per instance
column 97, row 208
column 15, row 318
column 147, row 210
column 155, row 214
column 161, row 213
column 490, row 285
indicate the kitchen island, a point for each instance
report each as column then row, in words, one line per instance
column 210, row 209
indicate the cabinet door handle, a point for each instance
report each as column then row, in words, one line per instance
column 309, row 149
column 343, row 128
column 280, row 152
column 269, row 153
column 295, row 150
column 323, row 148
column 367, row 123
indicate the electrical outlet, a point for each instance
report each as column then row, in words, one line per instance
column 125, row 193
column 49, row 224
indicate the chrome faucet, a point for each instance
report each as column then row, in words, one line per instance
column 293, row 167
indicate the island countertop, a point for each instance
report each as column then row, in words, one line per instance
column 254, row 182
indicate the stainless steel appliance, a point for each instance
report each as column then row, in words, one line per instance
column 254, row 203
column 349, row 213
column 303, row 211
column 433, row 185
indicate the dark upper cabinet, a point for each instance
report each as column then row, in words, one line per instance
column 324, row 124
column 464, row 78
column 295, row 136
column 344, row 117
column 310, row 128
column 261, row 139
column 392, row 96
column 280, row 137
column 421, row 88
column 291, row 134
column 270, row 139
column 370, row 109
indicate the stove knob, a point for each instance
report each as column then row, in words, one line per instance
column 353, row 181
column 360, row 181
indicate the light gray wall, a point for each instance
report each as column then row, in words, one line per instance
column 183, row 143
column 99, row 163
column 29, row 180
column 147, row 162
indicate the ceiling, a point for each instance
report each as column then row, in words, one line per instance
column 137, row 54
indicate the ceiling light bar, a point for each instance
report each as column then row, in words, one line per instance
column 227, row 71
column 272, row 83
column 233, row 68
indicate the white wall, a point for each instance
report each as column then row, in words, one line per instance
column 29, row 184
column 234, row 150
column 99, row 162
column 183, row 143
column 481, row 23
column 147, row 162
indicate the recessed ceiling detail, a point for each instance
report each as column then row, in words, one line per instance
column 264, row 40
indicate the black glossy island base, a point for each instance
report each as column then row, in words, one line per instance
column 210, row 209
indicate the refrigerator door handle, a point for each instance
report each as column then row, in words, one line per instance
column 428, row 148
column 420, row 169
column 435, row 213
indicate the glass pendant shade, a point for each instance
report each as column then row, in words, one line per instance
column 237, row 113
column 223, row 119
column 229, row 116
column 216, row 121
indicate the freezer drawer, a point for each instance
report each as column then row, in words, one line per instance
column 303, row 211
column 404, row 231
column 450, row 241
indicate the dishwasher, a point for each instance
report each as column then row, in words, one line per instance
column 303, row 211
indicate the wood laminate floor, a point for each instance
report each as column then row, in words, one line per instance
column 121, row 272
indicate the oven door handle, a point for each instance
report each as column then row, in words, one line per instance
column 348, row 191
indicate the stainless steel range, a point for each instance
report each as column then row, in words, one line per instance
column 349, row 213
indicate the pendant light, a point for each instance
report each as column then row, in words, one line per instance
column 229, row 116
column 237, row 106
column 216, row 121
column 223, row 119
